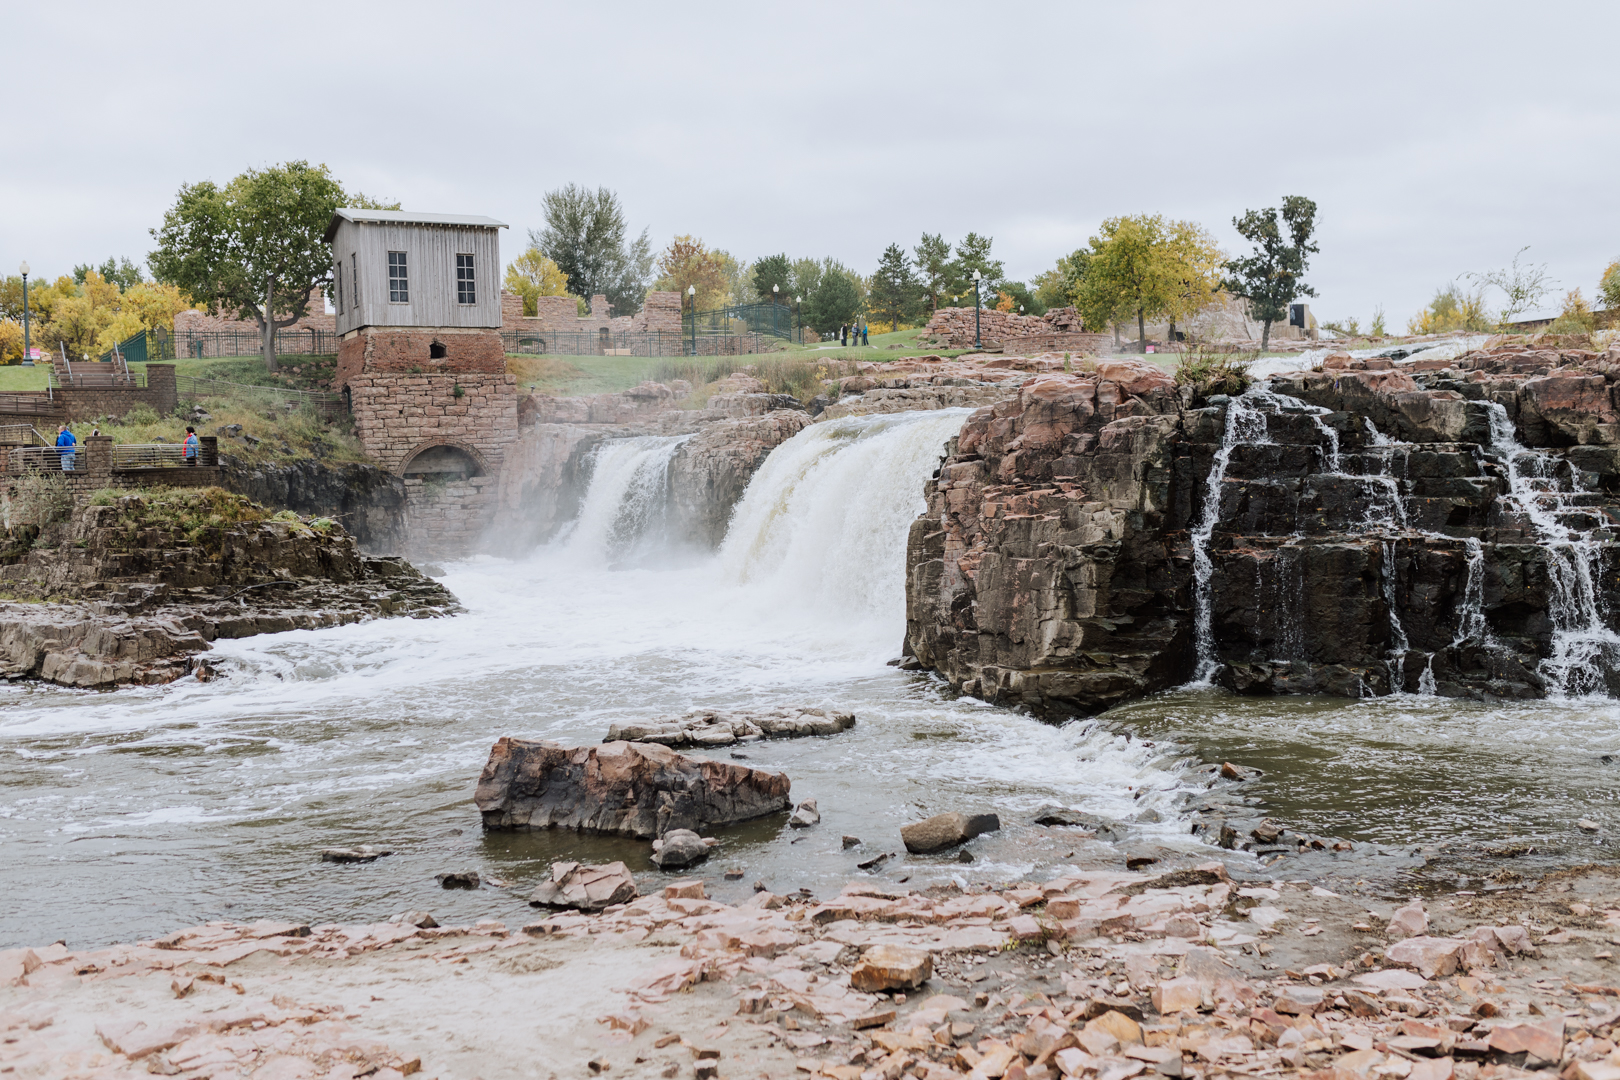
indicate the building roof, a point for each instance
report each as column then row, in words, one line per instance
column 407, row 217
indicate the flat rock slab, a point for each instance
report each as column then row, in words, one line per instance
column 622, row 788
column 708, row 727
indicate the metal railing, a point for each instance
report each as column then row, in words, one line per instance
column 325, row 403
column 26, row 404
column 88, row 376
column 129, row 456
column 776, row 320
column 21, row 459
column 21, row 435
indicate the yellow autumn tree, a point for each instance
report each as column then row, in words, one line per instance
column 688, row 263
column 531, row 276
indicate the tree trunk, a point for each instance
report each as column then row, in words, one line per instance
column 1116, row 337
column 1171, row 340
column 1265, row 334
column 270, row 324
column 1141, row 332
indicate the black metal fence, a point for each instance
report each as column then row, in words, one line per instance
column 329, row 405
column 198, row 344
column 607, row 342
column 774, row 320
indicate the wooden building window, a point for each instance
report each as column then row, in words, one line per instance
column 466, row 288
column 338, row 281
column 354, row 275
column 399, row 282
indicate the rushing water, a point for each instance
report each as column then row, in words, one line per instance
column 127, row 814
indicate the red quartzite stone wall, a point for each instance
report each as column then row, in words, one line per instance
column 396, row 416
column 408, row 351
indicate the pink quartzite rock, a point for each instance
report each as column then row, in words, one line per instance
column 1408, row 921
column 628, row 789
column 588, row 888
column 891, row 967
column 1431, row 957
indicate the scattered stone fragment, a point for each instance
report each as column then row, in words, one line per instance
column 422, row 920
column 458, row 879
column 1587, row 825
column 585, row 888
column 1408, row 921
column 851, row 841
column 891, row 967
column 805, row 815
column 946, row 831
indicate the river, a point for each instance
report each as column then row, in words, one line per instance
column 128, row 814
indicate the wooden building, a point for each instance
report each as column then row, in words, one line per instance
column 421, row 361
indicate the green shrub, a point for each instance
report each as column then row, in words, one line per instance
column 1214, row 372
column 141, row 415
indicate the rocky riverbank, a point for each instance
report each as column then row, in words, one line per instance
column 1092, row 974
column 133, row 591
column 1436, row 526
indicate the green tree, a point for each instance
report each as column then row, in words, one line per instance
column 254, row 247
column 895, row 291
column 973, row 253
column 1271, row 277
column 585, row 234
column 1131, row 272
column 774, row 270
column 934, row 264
column 836, row 300
column 121, row 272
column 1195, row 265
column 1057, row 287
column 1023, row 300
column 1609, row 289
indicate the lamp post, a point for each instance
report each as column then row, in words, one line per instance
column 28, row 356
column 798, row 317
column 776, row 291
column 691, row 296
column 976, row 343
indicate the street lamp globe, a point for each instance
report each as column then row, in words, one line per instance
column 775, row 289
column 975, row 275
column 24, row 268
column 691, row 290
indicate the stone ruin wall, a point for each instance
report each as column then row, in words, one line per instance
column 193, row 320
column 1059, row 330
column 660, row 312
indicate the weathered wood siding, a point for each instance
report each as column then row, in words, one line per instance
column 431, row 252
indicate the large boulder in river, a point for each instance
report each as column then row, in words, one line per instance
column 946, row 831
column 623, row 788
column 711, row 470
column 709, row 727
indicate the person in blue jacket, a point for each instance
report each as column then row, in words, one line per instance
column 189, row 445
column 64, row 446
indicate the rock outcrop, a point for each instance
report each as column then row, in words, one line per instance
column 585, row 888
column 711, row 470
column 134, row 591
column 367, row 500
column 707, row 727
column 1434, row 526
column 1043, row 571
column 623, row 788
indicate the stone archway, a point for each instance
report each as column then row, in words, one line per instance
column 444, row 459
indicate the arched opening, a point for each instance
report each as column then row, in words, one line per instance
column 442, row 463
column 437, row 351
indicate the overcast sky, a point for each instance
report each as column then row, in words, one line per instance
column 1435, row 138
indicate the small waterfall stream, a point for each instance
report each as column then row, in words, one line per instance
column 1584, row 647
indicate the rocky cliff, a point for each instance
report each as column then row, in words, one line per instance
column 134, row 590
column 368, row 500
column 1439, row 526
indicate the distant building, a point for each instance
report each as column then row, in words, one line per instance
column 421, row 359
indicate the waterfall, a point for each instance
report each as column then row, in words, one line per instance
column 626, row 506
column 1584, row 648
column 824, row 520
column 1245, row 423
column 1399, row 645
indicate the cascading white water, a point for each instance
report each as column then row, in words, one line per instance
column 1245, row 424
column 625, row 505
column 1584, row 648
column 824, row 520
